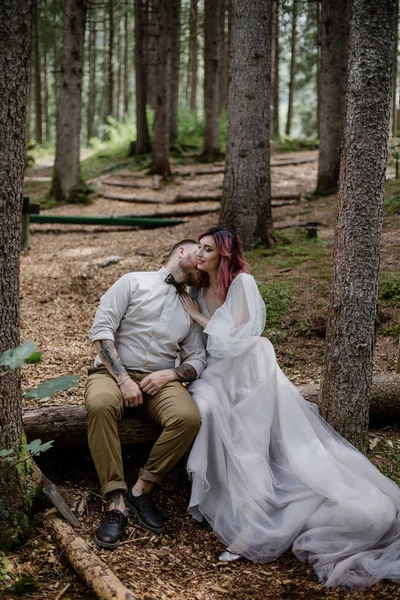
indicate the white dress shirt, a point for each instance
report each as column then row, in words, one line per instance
column 145, row 319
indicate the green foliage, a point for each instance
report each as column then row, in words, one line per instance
column 289, row 144
column 52, row 386
column 392, row 197
column 278, row 301
column 389, row 287
column 392, row 330
column 16, row 357
column 23, row 585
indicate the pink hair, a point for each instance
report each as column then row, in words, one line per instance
column 230, row 249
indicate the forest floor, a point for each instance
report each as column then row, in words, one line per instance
column 63, row 276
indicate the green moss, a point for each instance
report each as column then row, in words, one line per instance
column 389, row 287
column 23, row 585
column 278, row 302
column 18, row 515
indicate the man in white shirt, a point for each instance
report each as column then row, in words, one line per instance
column 139, row 331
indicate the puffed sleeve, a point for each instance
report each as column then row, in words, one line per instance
column 233, row 326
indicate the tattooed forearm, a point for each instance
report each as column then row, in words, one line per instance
column 110, row 359
column 185, row 373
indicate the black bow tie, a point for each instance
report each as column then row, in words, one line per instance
column 180, row 287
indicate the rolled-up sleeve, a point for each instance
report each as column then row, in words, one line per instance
column 112, row 308
column 192, row 349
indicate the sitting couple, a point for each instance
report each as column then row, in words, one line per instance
column 268, row 473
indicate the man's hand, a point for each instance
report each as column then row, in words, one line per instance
column 154, row 382
column 131, row 393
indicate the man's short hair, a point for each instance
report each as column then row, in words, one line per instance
column 179, row 244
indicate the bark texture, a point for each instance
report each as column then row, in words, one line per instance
column 37, row 71
column 92, row 74
column 193, row 54
column 17, row 487
column 110, row 64
column 162, row 119
column 175, row 65
column 142, row 132
column 211, row 82
column 96, row 574
column 67, row 173
column 334, row 28
column 292, row 80
column 275, row 70
column 347, row 372
column 246, row 202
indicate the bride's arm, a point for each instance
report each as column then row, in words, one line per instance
column 192, row 309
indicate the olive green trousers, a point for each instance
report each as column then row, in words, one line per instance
column 172, row 408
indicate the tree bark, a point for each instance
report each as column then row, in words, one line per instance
column 37, row 71
column 127, row 54
column 246, row 202
column 175, row 65
column 162, row 119
column 142, row 140
column 334, row 41
column 223, row 67
column 211, row 84
column 347, row 371
column 292, row 81
column 395, row 73
column 275, row 70
column 193, row 54
column 17, row 484
column 110, row 65
column 66, row 425
column 66, row 183
column 92, row 74
column 96, row 574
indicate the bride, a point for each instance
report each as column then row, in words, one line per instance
column 268, row 473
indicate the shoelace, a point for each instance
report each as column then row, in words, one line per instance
column 115, row 516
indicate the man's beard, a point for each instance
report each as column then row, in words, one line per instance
column 191, row 274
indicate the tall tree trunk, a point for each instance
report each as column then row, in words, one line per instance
column 246, row 202
column 119, row 107
column 193, row 54
column 334, row 41
column 127, row 55
column 110, row 65
column 347, row 372
column 211, row 84
column 395, row 74
column 142, row 141
column 92, row 74
column 175, row 65
column 162, row 119
column 37, row 71
column 224, row 56
column 66, row 183
column 275, row 70
column 151, row 48
column 17, row 489
column 292, row 82
column 46, row 97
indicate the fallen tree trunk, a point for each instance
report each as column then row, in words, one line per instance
column 96, row 574
column 66, row 424
column 134, row 198
column 279, row 200
column 179, row 212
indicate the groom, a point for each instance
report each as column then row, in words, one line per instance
column 140, row 329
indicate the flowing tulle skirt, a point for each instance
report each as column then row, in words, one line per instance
column 268, row 473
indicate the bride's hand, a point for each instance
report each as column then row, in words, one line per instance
column 191, row 307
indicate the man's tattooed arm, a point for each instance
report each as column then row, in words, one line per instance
column 111, row 360
column 185, row 373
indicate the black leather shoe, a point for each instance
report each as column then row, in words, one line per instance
column 112, row 529
column 145, row 512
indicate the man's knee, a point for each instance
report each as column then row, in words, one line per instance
column 188, row 421
column 103, row 404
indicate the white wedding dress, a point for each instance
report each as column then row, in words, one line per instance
column 268, row 473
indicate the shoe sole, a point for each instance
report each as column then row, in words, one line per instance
column 106, row 545
column 139, row 519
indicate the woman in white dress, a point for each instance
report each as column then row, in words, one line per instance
column 268, row 473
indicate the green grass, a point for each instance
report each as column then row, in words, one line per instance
column 389, row 287
column 277, row 296
column 288, row 144
column 292, row 250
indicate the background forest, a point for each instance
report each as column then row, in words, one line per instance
column 130, row 116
